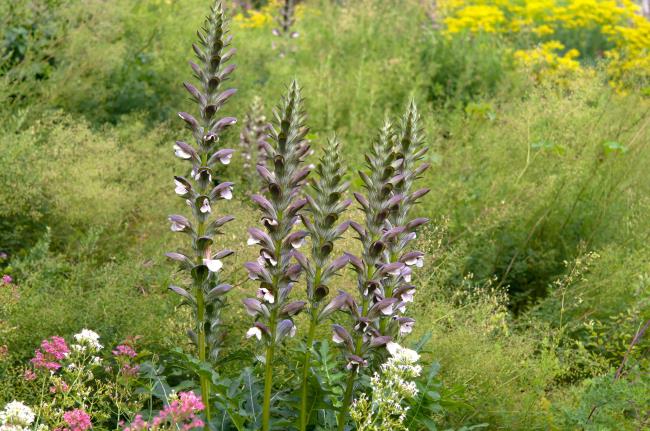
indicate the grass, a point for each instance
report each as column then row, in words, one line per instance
column 525, row 180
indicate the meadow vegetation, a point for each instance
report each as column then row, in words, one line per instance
column 531, row 305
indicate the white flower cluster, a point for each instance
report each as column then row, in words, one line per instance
column 385, row 411
column 87, row 339
column 16, row 416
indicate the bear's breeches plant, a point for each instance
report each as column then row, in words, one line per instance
column 204, row 190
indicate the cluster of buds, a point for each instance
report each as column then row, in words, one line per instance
column 384, row 268
column 202, row 190
column 283, row 181
column 253, row 135
column 286, row 19
column 409, row 151
column 325, row 204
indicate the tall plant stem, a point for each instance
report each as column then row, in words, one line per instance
column 305, row 371
column 268, row 377
column 205, row 382
column 347, row 398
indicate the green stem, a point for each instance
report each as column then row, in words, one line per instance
column 347, row 399
column 205, row 382
column 305, row 371
column 268, row 377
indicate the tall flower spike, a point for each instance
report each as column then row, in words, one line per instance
column 286, row 19
column 202, row 190
column 253, row 135
column 325, row 204
column 409, row 151
column 280, row 206
column 374, row 266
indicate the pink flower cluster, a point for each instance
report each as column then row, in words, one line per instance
column 179, row 414
column 6, row 279
column 125, row 350
column 123, row 353
column 77, row 420
column 51, row 352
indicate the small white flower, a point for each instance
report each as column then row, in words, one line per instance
column 17, row 414
column 407, row 296
column 225, row 160
column 214, row 265
column 417, row 261
column 402, row 353
column 177, row 227
column 254, row 332
column 96, row 360
column 387, row 311
column 178, row 151
column 205, row 208
column 266, row 295
column 405, row 328
column 180, row 189
column 226, row 193
column 88, row 338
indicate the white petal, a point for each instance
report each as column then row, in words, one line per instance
column 387, row 311
column 297, row 244
column 177, row 227
column 180, row 188
column 226, row 193
column 226, row 159
column 410, row 262
column 252, row 241
column 336, row 338
column 254, row 332
column 408, row 295
column 214, row 265
column 393, row 348
column 205, row 208
column 180, row 153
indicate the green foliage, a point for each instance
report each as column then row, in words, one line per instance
column 607, row 403
column 538, row 265
column 59, row 294
column 460, row 69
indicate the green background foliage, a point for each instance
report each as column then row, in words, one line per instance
column 537, row 275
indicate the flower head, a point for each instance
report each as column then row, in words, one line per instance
column 17, row 414
column 77, row 420
column 125, row 350
column 87, row 339
column 51, row 352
